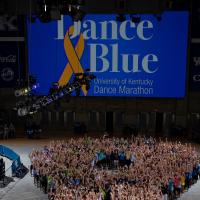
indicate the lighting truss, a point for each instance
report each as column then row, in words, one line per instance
column 28, row 108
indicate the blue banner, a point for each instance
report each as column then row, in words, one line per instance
column 145, row 59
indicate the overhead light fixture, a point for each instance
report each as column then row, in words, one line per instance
column 45, row 7
column 45, row 11
column 26, row 87
column 25, row 91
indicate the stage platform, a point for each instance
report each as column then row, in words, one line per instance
column 24, row 189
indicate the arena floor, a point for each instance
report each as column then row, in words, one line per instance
column 24, row 189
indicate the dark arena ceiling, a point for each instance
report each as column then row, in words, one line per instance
column 21, row 7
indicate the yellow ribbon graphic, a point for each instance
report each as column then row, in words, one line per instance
column 73, row 55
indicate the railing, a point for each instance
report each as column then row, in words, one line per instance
column 10, row 154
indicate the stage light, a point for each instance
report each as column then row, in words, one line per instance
column 25, row 91
column 61, row 94
column 45, row 9
column 22, row 92
column 70, row 8
column 34, row 87
column 30, row 106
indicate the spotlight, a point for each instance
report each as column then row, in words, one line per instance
column 25, row 91
column 45, row 9
column 70, row 89
column 22, row 92
column 32, row 111
column 121, row 18
column 34, row 87
column 61, row 94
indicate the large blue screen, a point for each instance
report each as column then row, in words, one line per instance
column 145, row 59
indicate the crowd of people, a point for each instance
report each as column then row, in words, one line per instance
column 137, row 168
